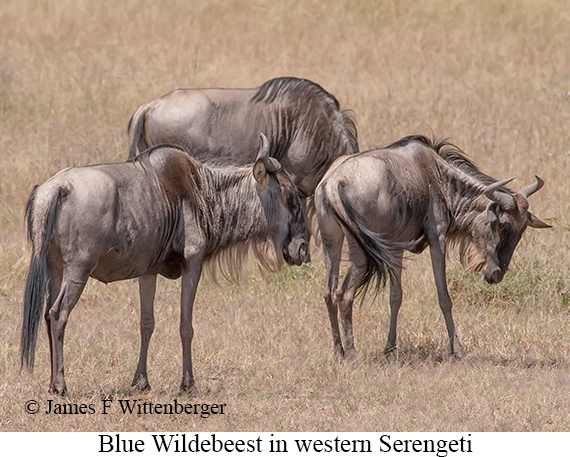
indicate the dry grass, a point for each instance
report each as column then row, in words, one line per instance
column 494, row 76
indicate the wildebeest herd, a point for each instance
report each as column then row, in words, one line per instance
column 202, row 190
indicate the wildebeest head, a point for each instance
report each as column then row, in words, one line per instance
column 286, row 222
column 500, row 227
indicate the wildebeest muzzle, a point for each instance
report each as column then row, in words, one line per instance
column 297, row 252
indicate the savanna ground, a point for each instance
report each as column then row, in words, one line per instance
column 492, row 75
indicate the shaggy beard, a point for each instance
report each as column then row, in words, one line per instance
column 230, row 263
column 471, row 258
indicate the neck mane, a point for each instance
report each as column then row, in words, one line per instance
column 235, row 221
column 463, row 185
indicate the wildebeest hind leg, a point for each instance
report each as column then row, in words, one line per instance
column 332, row 237
column 332, row 263
column 54, row 287
column 72, row 286
column 147, row 289
column 395, row 303
column 355, row 271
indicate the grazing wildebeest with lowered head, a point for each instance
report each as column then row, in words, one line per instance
column 305, row 127
column 410, row 195
column 161, row 213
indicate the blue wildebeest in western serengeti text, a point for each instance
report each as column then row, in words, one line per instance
column 161, row 213
column 413, row 194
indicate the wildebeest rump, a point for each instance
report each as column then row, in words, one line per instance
column 161, row 213
column 306, row 129
column 410, row 195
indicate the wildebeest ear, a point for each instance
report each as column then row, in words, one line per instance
column 260, row 172
column 535, row 222
column 272, row 165
column 491, row 214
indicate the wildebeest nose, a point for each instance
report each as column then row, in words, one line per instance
column 297, row 253
column 495, row 276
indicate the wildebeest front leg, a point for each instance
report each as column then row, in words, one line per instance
column 147, row 290
column 190, row 280
column 437, row 250
column 395, row 303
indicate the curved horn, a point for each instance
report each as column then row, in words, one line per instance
column 272, row 165
column 264, row 149
column 504, row 200
column 529, row 190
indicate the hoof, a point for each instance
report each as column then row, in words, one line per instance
column 190, row 390
column 188, row 386
column 458, row 354
column 457, row 351
column 350, row 355
column 338, row 353
column 390, row 349
column 141, row 383
column 60, row 391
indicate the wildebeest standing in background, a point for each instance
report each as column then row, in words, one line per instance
column 306, row 129
column 161, row 213
column 410, row 195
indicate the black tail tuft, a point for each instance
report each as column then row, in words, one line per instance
column 39, row 235
column 34, row 298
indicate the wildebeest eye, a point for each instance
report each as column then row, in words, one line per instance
column 297, row 210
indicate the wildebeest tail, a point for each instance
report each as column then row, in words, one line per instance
column 135, row 129
column 382, row 256
column 41, row 220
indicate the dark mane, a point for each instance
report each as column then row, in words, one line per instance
column 277, row 87
column 316, row 115
column 448, row 152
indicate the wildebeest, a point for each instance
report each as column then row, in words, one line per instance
column 161, row 213
column 305, row 127
column 413, row 194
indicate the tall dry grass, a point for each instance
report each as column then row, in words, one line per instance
column 494, row 76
